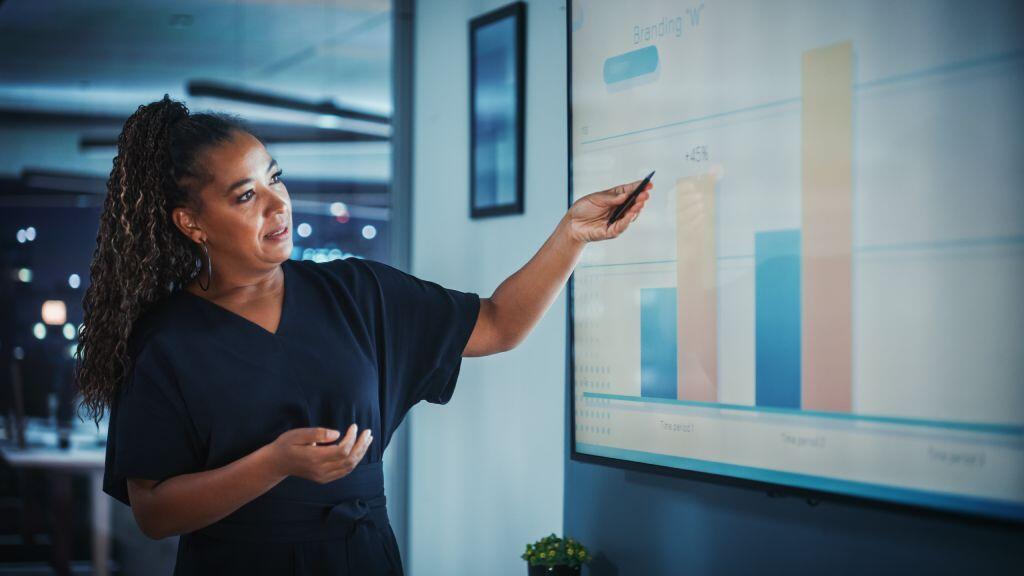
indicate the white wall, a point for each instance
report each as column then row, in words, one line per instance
column 486, row 469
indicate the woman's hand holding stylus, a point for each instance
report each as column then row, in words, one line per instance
column 588, row 216
column 519, row 302
column 302, row 452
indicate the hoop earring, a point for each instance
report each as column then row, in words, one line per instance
column 209, row 269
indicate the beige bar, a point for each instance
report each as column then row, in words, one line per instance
column 827, row 141
column 696, row 289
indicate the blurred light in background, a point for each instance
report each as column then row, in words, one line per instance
column 325, row 254
column 55, row 312
column 304, row 230
column 26, row 234
column 74, row 281
column 369, row 232
column 24, row 274
column 69, row 331
column 39, row 330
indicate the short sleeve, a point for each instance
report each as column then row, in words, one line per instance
column 149, row 434
column 425, row 329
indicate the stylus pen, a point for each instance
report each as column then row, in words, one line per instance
column 625, row 206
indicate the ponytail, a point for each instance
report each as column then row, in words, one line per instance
column 140, row 255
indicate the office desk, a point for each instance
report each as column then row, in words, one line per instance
column 85, row 456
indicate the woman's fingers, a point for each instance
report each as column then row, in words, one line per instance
column 335, row 452
column 619, row 194
column 629, row 187
column 624, row 196
column 340, row 450
column 349, row 445
column 620, row 225
column 623, row 188
column 633, row 211
column 641, row 199
column 350, row 461
column 310, row 435
column 639, row 206
column 350, row 434
column 359, row 450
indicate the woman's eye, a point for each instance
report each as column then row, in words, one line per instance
column 274, row 179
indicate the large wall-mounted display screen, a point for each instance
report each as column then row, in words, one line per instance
column 826, row 288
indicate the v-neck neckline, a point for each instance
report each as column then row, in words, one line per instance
column 284, row 305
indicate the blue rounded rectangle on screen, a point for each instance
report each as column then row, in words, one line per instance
column 630, row 65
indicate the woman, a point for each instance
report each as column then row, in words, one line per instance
column 237, row 387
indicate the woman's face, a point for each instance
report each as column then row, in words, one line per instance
column 244, row 201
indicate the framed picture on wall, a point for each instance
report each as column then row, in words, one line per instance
column 497, row 75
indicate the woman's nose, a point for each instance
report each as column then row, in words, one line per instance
column 277, row 202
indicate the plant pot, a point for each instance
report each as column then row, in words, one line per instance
column 560, row 570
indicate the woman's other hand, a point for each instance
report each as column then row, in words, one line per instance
column 588, row 216
column 301, row 452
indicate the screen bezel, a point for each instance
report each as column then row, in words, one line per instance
column 812, row 496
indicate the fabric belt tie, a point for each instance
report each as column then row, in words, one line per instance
column 357, row 519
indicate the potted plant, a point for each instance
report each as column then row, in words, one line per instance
column 554, row 555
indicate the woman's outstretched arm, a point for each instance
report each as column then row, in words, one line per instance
column 522, row 299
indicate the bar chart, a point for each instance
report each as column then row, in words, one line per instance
column 824, row 289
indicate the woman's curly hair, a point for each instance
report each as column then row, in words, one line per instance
column 140, row 255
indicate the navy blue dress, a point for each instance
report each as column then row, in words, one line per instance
column 358, row 341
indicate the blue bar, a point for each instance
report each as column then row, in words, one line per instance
column 630, row 65
column 658, row 342
column 777, row 318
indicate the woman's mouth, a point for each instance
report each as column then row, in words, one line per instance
column 280, row 234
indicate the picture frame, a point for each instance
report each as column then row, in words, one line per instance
column 497, row 107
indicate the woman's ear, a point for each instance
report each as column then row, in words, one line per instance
column 185, row 220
